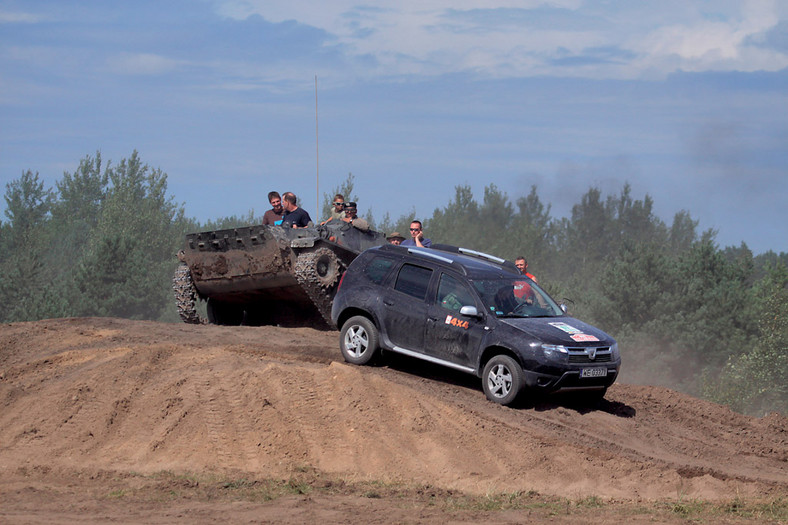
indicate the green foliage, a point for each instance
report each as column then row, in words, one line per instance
column 27, row 204
column 756, row 380
column 225, row 223
column 103, row 244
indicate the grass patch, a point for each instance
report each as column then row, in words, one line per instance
column 773, row 510
column 305, row 480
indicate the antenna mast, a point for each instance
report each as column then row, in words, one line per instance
column 317, row 162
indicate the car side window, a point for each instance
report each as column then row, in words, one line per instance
column 377, row 269
column 413, row 280
column 453, row 294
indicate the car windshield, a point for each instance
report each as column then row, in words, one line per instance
column 516, row 297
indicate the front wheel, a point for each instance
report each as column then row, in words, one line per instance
column 358, row 340
column 502, row 379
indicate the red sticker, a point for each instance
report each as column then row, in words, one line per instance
column 457, row 322
column 581, row 338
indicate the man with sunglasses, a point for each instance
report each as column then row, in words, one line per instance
column 416, row 236
column 337, row 209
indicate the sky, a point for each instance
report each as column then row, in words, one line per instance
column 685, row 100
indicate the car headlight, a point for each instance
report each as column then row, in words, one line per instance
column 614, row 352
column 554, row 351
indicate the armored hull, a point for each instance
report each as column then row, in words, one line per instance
column 267, row 274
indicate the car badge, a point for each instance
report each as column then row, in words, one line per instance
column 591, row 353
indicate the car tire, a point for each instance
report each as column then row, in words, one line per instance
column 502, row 379
column 358, row 340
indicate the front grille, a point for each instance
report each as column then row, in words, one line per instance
column 580, row 355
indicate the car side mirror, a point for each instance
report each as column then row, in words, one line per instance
column 469, row 311
column 563, row 306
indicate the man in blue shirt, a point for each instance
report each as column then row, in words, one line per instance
column 416, row 237
column 295, row 217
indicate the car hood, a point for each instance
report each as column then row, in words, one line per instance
column 566, row 331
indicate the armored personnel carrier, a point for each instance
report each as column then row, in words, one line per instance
column 267, row 274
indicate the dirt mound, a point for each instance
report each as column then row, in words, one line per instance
column 92, row 395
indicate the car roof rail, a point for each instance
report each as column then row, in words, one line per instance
column 427, row 252
column 508, row 265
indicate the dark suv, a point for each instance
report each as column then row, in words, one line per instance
column 472, row 312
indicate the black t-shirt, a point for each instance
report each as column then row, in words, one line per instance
column 299, row 217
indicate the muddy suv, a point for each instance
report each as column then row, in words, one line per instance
column 471, row 312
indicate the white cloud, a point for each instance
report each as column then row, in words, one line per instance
column 716, row 46
column 7, row 17
column 428, row 37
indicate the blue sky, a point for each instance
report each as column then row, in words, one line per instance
column 685, row 100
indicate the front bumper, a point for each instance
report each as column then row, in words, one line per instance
column 569, row 380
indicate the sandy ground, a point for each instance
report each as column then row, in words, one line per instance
column 142, row 422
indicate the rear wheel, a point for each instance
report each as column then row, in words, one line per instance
column 502, row 379
column 224, row 313
column 358, row 340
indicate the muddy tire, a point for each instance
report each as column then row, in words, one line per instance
column 318, row 271
column 502, row 379
column 186, row 295
column 324, row 264
column 358, row 340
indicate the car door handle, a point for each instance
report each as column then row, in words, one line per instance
column 388, row 303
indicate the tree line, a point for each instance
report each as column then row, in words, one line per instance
column 687, row 313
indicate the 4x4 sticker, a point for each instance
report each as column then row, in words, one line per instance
column 566, row 328
column 456, row 322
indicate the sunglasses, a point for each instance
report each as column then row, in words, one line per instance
column 338, row 203
column 415, row 229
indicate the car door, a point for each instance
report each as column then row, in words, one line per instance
column 449, row 335
column 405, row 308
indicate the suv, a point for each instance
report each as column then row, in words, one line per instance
column 472, row 312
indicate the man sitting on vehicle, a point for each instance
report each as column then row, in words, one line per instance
column 351, row 217
column 337, row 210
column 294, row 217
column 274, row 215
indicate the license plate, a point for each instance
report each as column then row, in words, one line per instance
column 593, row 372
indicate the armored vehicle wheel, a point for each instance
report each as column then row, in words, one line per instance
column 317, row 271
column 502, row 379
column 358, row 340
column 224, row 313
column 186, row 295
column 323, row 266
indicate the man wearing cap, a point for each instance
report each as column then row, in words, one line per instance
column 395, row 238
column 351, row 217
column 351, row 212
